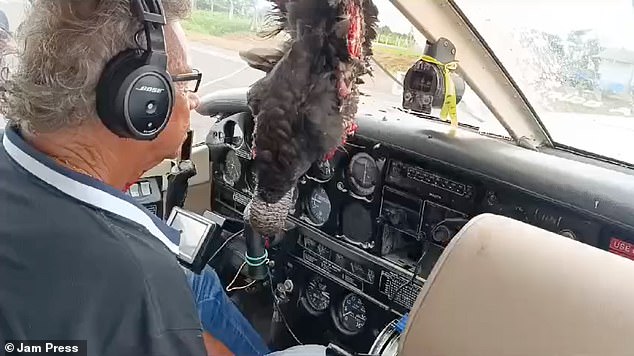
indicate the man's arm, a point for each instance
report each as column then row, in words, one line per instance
column 214, row 347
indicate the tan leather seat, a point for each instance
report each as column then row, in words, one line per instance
column 507, row 288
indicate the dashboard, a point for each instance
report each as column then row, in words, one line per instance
column 368, row 226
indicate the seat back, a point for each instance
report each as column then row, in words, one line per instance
column 503, row 287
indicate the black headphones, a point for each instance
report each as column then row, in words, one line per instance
column 135, row 94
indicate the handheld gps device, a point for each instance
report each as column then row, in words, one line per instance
column 196, row 233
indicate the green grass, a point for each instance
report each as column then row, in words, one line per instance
column 395, row 59
column 216, row 24
column 395, row 51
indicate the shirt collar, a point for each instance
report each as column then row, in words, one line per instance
column 86, row 189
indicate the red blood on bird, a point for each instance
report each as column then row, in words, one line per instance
column 282, row 103
column 354, row 32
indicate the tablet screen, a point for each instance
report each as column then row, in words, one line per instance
column 193, row 232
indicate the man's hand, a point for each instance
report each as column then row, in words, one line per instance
column 215, row 347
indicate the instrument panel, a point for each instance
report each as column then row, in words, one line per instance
column 372, row 222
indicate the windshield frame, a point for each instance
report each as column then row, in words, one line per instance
column 480, row 68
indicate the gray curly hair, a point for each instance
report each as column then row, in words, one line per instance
column 63, row 47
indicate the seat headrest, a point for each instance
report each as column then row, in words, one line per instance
column 503, row 287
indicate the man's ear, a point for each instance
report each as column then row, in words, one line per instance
column 176, row 42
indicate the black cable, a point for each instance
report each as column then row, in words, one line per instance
column 224, row 244
column 416, row 272
column 279, row 310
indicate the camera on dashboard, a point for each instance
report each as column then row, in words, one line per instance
column 431, row 80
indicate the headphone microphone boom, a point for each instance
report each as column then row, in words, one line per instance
column 135, row 94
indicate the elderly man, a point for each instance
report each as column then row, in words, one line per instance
column 79, row 260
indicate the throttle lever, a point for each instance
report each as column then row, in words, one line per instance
column 178, row 179
column 177, row 185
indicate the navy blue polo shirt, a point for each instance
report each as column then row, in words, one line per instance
column 80, row 260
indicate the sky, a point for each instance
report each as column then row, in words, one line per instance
column 390, row 16
column 612, row 20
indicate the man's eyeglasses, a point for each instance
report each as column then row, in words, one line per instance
column 189, row 81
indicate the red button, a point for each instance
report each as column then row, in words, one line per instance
column 622, row 248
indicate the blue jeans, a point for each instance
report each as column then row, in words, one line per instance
column 221, row 318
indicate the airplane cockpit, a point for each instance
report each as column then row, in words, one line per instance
column 480, row 204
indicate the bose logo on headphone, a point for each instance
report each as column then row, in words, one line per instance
column 150, row 89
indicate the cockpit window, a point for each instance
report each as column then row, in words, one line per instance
column 399, row 45
column 219, row 29
column 574, row 61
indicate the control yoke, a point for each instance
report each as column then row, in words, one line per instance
column 256, row 256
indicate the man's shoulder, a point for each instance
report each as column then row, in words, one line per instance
column 39, row 210
column 68, row 263
column 97, row 270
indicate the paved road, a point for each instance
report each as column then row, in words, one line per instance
column 223, row 69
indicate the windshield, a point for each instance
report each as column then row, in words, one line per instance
column 219, row 29
column 398, row 46
column 573, row 60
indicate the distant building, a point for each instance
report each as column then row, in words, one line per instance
column 616, row 71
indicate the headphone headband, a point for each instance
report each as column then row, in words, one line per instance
column 151, row 14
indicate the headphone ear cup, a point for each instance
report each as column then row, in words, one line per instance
column 134, row 99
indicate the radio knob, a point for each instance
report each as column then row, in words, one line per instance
column 492, row 199
column 397, row 217
column 569, row 234
column 442, row 234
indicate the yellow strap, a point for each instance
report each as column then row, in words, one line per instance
column 449, row 106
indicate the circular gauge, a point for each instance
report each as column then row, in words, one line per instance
column 363, row 174
column 232, row 169
column 317, row 294
column 322, row 171
column 252, row 177
column 352, row 313
column 318, row 206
